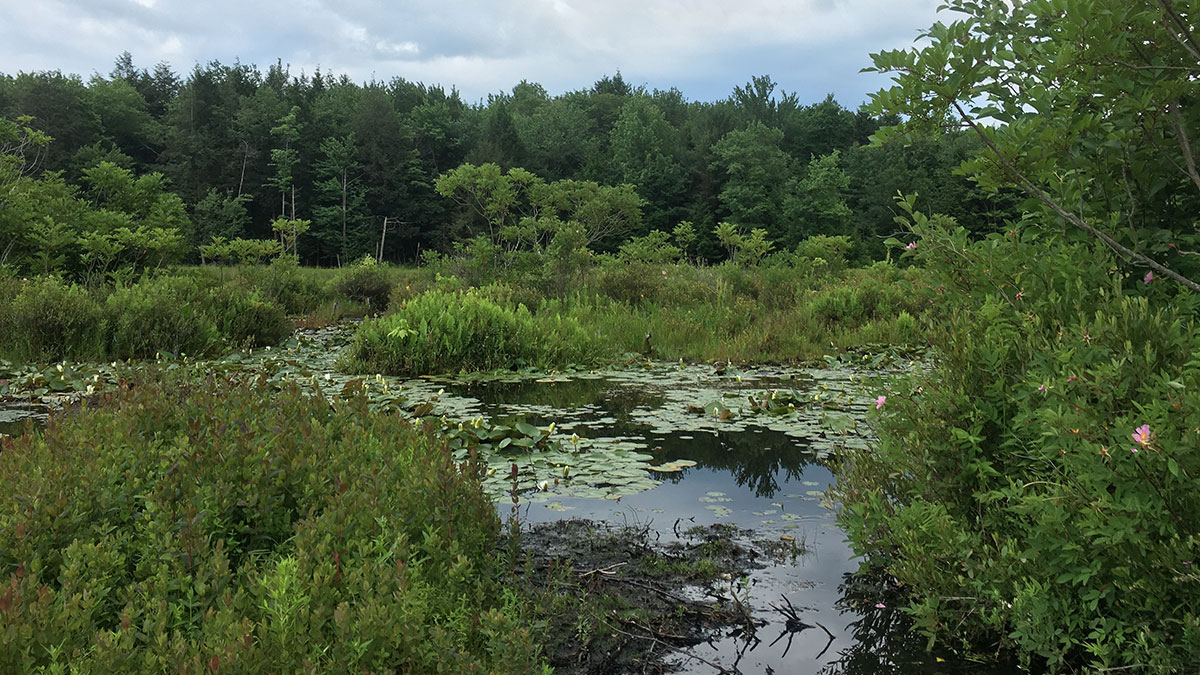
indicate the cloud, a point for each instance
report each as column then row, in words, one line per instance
column 703, row 46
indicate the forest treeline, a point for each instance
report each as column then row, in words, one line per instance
column 225, row 150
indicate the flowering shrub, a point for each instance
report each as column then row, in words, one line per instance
column 1003, row 494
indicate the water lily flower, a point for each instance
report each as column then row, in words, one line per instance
column 880, row 401
column 1148, row 278
column 1141, row 435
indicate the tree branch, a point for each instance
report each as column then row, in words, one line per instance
column 1184, row 146
column 1185, row 34
column 1071, row 218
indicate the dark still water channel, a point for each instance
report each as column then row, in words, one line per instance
column 762, row 472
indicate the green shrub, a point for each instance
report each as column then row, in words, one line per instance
column 365, row 282
column 441, row 331
column 630, row 283
column 298, row 290
column 49, row 320
column 204, row 526
column 164, row 314
column 1008, row 494
column 244, row 319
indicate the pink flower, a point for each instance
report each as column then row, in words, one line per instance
column 1133, row 450
column 1070, row 379
column 664, row 273
column 1148, row 278
column 880, row 605
column 1141, row 435
column 880, row 401
column 1042, row 387
column 911, row 245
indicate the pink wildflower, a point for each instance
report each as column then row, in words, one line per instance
column 1148, row 278
column 880, row 401
column 1042, row 387
column 1141, row 435
column 880, row 605
column 911, row 245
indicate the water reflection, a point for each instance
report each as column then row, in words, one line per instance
column 768, row 481
column 18, row 417
column 761, row 460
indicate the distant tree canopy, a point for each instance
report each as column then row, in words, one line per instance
column 241, row 148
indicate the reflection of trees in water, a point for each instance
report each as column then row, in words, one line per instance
column 759, row 461
column 885, row 642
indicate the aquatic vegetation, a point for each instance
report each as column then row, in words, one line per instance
column 440, row 331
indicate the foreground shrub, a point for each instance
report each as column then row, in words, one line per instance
column 1041, row 489
column 164, row 314
column 49, row 320
column 205, row 527
column 440, row 331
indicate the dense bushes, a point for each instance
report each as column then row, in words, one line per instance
column 204, row 526
column 245, row 319
column 159, row 315
column 1041, row 489
column 365, row 282
column 47, row 320
column 441, row 331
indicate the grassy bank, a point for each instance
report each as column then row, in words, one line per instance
column 746, row 315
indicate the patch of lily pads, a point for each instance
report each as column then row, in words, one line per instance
column 559, row 438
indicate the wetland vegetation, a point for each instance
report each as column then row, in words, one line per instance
column 952, row 430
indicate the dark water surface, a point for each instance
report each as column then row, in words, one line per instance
column 768, row 480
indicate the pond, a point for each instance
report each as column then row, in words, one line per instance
column 728, row 459
column 665, row 447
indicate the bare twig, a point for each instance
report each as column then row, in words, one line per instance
column 602, row 570
column 652, row 638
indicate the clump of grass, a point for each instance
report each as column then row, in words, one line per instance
column 441, row 331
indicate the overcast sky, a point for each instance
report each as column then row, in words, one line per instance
column 702, row 47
